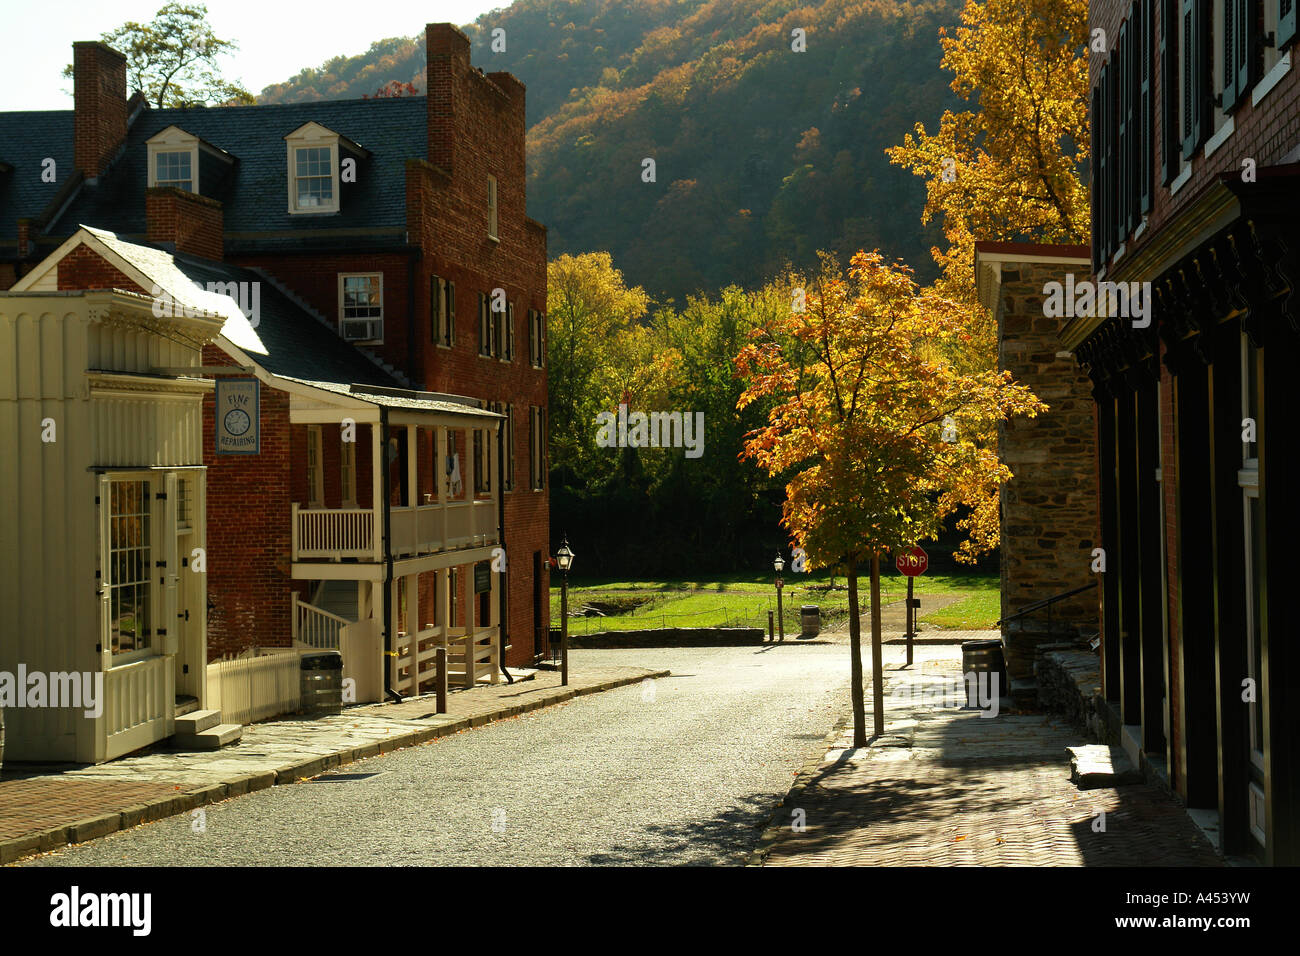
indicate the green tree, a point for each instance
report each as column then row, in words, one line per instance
column 172, row 59
column 589, row 306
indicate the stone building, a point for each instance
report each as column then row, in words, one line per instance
column 1049, row 508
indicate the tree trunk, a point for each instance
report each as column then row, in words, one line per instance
column 877, row 668
column 855, row 659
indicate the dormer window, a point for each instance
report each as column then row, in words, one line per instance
column 174, row 159
column 181, row 160
column 315, row 156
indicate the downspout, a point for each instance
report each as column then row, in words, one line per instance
column 388, row 558
column 504, row 597
column 412, row 356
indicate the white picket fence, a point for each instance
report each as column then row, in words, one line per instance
column 255, row 688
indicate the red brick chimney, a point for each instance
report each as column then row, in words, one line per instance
column 191, row 223
column 99, row 98
column 447, row 63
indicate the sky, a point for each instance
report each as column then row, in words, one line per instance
column 276, row 39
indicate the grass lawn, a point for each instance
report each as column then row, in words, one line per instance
column 739, row 600
column 979, row 611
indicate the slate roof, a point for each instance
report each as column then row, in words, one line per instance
column 26, row 140
column 254, row 193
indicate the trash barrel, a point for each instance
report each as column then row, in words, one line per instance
column 810, row 616
column 555, row 643
column 322, row 682
column 985, row 657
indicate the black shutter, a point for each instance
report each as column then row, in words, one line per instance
column 1104, row 165
column 1095, row 180
column 1193, row 75
column 1285, row 23
column 1229, row 38
column 1124, row 166
column 1145, row 133
column 451, row 313
column 1246, row 37
column 1169, row 134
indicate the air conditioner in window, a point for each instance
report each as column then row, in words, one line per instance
column 360, row 331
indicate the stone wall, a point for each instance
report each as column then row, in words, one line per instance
column 1049, row 508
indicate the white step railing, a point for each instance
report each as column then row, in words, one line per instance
column 316, row 627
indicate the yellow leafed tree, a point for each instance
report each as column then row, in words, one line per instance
column 877, row 429
column 1009, row 168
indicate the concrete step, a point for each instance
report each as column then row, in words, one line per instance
column 213, row 739
column 197, row 721
column 1097, row 766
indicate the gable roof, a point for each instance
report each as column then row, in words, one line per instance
column 282, row 338
column 253, row 192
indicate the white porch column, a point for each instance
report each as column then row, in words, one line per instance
column 468, row 470
column 413, row 627
column 440, row 479
column 412, row 472
column 467, row 595
column 379, row 487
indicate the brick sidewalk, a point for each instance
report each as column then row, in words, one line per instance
column 947, row 787
column 44, row 808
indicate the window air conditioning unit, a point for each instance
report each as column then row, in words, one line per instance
column 360, row 331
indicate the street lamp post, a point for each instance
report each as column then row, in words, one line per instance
column 564, row 561
column 779, row 564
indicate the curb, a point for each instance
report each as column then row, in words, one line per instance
column 801, row 779
column 92, row 828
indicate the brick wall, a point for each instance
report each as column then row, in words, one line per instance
column 1049, row 509
column 249, row 573
column 83, row 268
column 99, row 105
column 192, row 223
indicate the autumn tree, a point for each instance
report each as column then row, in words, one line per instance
column 1009, row 167
column 875, row 429
column 172, row 59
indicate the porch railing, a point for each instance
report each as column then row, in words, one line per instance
column 470, row 658
column 418, row 529
column 316, row 627
column 333, row 533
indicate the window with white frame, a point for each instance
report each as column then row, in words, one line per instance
column 174, row 159
column 361, row 307
column 492, row 207
column 174, row 169
column 129, row 576
column 313, row 169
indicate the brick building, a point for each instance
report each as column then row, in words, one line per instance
column 1196, row 191
column 396, row 293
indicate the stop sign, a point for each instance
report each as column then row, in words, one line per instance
column 912, row 561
